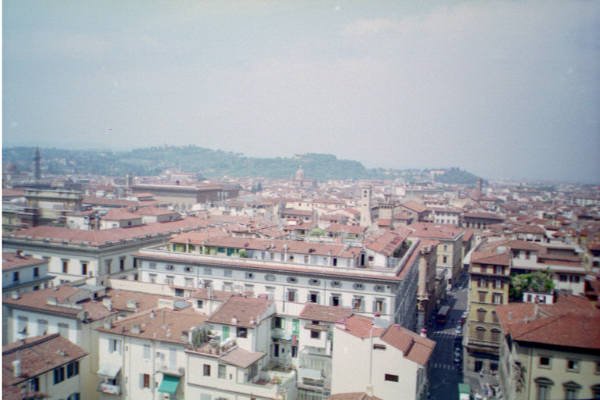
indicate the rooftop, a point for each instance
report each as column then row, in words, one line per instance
column 241, row 311
column 14, row 261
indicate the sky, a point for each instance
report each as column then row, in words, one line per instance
column 506, row 90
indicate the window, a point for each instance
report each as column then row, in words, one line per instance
column 497, row 298
column 114, row 345
column 314, row 282
column 480, row 333
column 206, row 370
column 335, row 300
column 277, row 322
column 482, row 297
column 291, row 295
column 379, row 306
column 108, row 264
column 145, row 380
column 63, row 329
column 169, row 267
column 42, row 327
column 313, row 297
column 315, row 334
column 495, row 317
column 357, row 303
column 34, row 384
column 445, row 259
column 563, row 278
column 498, row 270
column 248, row 288
column 65, row 266
column 498, row 284
column 358, row 286
column 199, row 303
column 222, row 371
column 527, row 254
column 391, row 378
column 152, row 265
column 242, row 332
column 571, row 390
column 379, row 288
column 59, row 375
column 292, row 279
column 122, row 264
column 481, row 315
column 481, row 282
column 22, row 325
column 249, row 275
column 73, row 369
column 573, row 365
column 336, row 284
column 545, row 362
column 152, row 278
column 543, row 388
column 179, row 292
column 187, row 268
column 146, row 352
column 36, row 272
column 169, row 279
column 597, row 370
column 84, row 268
column 270, row 277
column 294, row 351
column 495, row 335
column 574, row 278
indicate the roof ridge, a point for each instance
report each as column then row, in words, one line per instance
column 32, row 343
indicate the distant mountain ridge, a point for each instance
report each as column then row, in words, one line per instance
column 211, row 163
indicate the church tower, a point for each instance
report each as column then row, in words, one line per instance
column 37, row 172
column 365, row 206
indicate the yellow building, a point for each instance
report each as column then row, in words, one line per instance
column 550, row 351
column 488, row 288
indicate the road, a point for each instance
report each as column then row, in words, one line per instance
column 444, row 374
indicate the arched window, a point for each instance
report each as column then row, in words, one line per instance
column 481, row 315
column 544, row 386
column 495, row 335
column 571, row 390
column 480, row 333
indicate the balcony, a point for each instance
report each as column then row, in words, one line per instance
column 107, row 388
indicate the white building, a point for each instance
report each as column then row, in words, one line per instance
column 74, row 255
column 289, row 272
column 45, row 366
column 385, row 362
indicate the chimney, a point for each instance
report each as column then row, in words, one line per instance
column 108, row 324
column 20, row 253
column 17, row 367
column 152, row 314
column 234, row 320
column 15, row 295
column 136, row 329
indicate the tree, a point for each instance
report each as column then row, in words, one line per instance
column 538, row 282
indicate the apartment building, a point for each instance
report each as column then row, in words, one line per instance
column 489, row 284
column 289, row 272
column 74, row 255
column 386, row 361
column 550, row 351
column 449, row 249
column 74, row 313
column 42, row 367
column 22, row 273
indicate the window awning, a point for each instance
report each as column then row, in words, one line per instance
column 109, row 370
column 169, row 384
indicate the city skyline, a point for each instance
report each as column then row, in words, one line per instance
column 504, row 90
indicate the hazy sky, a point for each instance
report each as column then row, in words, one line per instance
column 503, row 89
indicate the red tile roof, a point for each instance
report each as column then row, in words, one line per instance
column 38, row 355
column 14, row 261
column 241, row 311
column 361, row 327
column 572, row 321
column 414, row 347
column 316, row 312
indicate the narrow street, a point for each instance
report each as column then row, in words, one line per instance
column 445, row 374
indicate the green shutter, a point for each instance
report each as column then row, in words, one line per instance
column 296, row 326
column 225, row 332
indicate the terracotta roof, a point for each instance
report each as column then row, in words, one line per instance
column 119, row 214
column 414, row 206
column 12, row 193
column 387, row 242
column 155, row 211
column 361, row 327
column 354, row 229
column 241, row 311
column 316, row 312
column 435, row 231
column 241, row 358
column 352, row 396
column 164, row 324
column 107, row 236
column 38, row 355
column 414, row 347
column 68, row 296
column 491, row 257
column 103, row 201
column 533, row 229
column 13, row 261
column 572, row 321
column 483, row 215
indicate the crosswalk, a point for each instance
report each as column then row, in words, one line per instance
column 443, row 366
